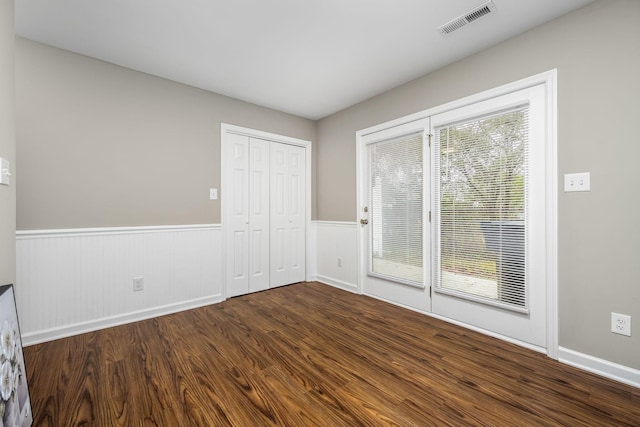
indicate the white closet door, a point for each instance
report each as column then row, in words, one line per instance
column 258, row 214
column 287, row 214
column 237, row 218
column 247, row 236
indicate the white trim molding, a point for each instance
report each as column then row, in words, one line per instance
column 604, row 368
column 336, row 283
column 65, row 331
column 73, row 281
column 73, row 232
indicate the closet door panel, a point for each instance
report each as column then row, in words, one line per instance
column 237, row 228
column 259, row 154
column 279, row 215
column 287, row 214
column 296, row 197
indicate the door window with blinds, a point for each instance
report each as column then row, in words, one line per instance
column 396, row 203
column 481, row 202
column 457, row 210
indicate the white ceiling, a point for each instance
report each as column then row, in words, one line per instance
column 306, row 57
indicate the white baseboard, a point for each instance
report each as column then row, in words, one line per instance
column 601, row 367
column 337, row 283
column 108, row 322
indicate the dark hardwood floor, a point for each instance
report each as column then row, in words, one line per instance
column 310, row 355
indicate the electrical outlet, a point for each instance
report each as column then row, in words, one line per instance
column 138, row 284
column 340, row 262
column 621, row 324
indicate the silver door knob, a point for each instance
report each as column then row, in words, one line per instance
column 364, row 221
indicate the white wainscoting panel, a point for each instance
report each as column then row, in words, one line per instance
column 75, row 281
column 337, row 240
column 312, row 248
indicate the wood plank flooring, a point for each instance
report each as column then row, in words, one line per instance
column 310, row 355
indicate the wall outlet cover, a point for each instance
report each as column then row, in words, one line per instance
column 621, row 324
column 138, row 284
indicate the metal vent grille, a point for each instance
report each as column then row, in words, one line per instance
column 478, row 13
column 467, row 18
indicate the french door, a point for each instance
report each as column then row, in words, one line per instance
column 474, row 182
column 489, row 220
column 394, row 215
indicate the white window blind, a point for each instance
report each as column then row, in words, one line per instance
column 396, row 182
column 480, row 178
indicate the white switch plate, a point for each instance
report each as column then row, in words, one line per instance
column 577, row 182
column 213, row 194
column 5, row 172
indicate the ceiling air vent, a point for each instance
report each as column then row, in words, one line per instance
column 467, row 18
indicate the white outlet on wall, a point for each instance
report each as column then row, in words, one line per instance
column 621, row 324
column 138, row 284
column 340, row 262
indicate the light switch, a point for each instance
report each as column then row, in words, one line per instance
column 213, row 194
column 577, row 182
column 5, row 172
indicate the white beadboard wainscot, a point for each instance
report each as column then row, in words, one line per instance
column 74, row 281
column 337, row 243
column 312, row 265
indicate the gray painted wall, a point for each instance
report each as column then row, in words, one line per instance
column 596, row 51
column 7, row 145
column 104, row 146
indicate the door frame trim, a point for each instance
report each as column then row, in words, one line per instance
column 226, row 128
column 549, row 80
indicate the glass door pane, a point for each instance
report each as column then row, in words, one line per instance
column 396, row 200
column 482, row 191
